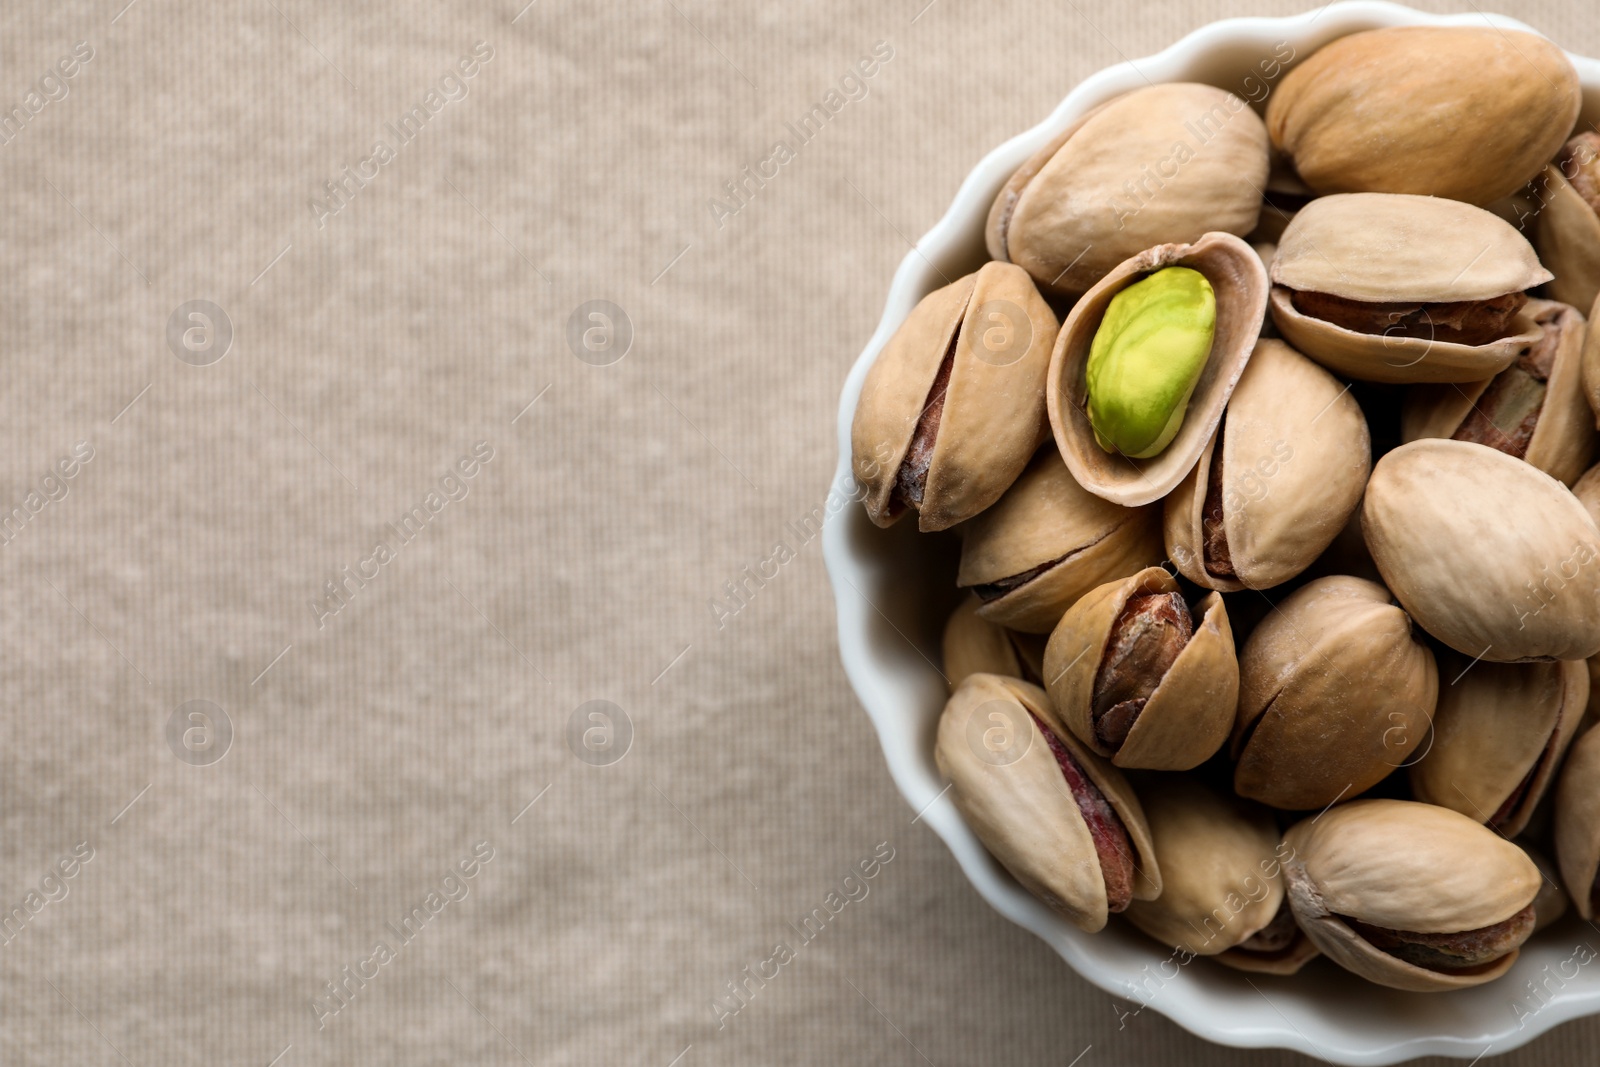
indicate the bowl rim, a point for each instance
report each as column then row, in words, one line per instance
column 879, row 693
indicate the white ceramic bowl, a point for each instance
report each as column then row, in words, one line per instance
column 894, row 589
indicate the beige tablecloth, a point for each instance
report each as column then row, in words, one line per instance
column 329, row 502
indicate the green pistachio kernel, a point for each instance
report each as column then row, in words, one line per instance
column 1145, row 359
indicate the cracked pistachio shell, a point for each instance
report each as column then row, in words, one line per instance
column 1022, row 809
column 1490, row 555
column 1551, row 903
column 1567, row 234
column 1285, row 961
column 974, row 645
column 995, row 331
column 1335, row 691
column 1465, row 112
column 1166, row 162
column 1577, row 822
column 1405, row 866
column 1239, row 283
column 1295, row 458
column 1563, row 441
column 1187, row 717
column 1385, row 249
column 1499, row 734
column 1220, row 878
column 1063, row 540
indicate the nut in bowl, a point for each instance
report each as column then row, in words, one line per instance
column 1271, row 550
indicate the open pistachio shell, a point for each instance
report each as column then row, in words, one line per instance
column 1577, row 823
column 1016, row 797
column 1408, row 266
column 1048, row 542
column 1465, row 112
column 1535, row 409
column 1401, row 866
column 1285, row 960
column 1490, row 555
column 1335, row 692
column 953, row 406
column 1166, row 162
column 1276, row 485
column 1551, row 903
column 1499, row 734
column 1220, row 877
column 974, row 645
column 1240, row 284
column 1567, row 230
column 1189, row 708
column 1591, row 363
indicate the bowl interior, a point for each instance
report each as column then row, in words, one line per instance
column 894, row 588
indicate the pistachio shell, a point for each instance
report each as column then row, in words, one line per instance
column 1577, row 824
column 1295, row 458
column 1186, row 719
column 1335, row 692
column 1499, row 733
column 1046, row 520
column 1587, row 490
column 1101, row 191
column 1220, row 879
column 1385, row 249
column 1551, row 903
column 1289, row 960
column 1239, row 281
column 1023, row 809
column 1563, row 441
column 1591, row 362
column 1406, row 866
column 1567, row 235
column 1490, row 555
column 1465, row 112
column 974, row 645
column 995, row 331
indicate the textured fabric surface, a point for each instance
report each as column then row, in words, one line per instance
column 399, row 534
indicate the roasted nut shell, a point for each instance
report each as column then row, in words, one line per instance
column 1335, row 692
column 974, row 645
column 1295, row 455
column 1404, row 866
column 953, row 406
column 1465, row 112
column 1577, row 822
column 1491, row 556
column 1567, row 228
column 1166, row 162
column 1189, row 708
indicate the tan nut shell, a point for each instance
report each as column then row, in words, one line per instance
column 974, row 645
column 1551, row 903
column 1048, row 516
column 993, row 416
column 1577, row 822
column 1591, row 362
column 1290, row 960
column 1024, row 812
column 1379, row 247
column 1405, row 866
column 1295, row 459
column 1490, row 555
column 1220, row 881
column 1567, row 235
column 1563, row 441
column 1095, row 195
column 1240, row 283
column 1465, row 112
column 1335, row 692
column 1496, row 724
column 1188, row 716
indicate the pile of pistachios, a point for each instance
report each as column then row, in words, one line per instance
column 1276, row 512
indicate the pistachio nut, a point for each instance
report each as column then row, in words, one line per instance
column 1587, row 490
column 1499, row 734
column 1059, row 818
column 1238, row 283
column 1465, row 112
column 1410, row 896
column 1047, row 543
column 1551, row 903
column 1567, row 227
column 1280, row 947
column 1391, row 288
column 1220, row 877
column 1577, row 823
column 974, row 645
column 1535, row 409
column 1139, row 680
column 1162, row 163
column 1278, row 481
column 1490, row 555
column 1335, row 691
column 953, row 407
column 1591, row 363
